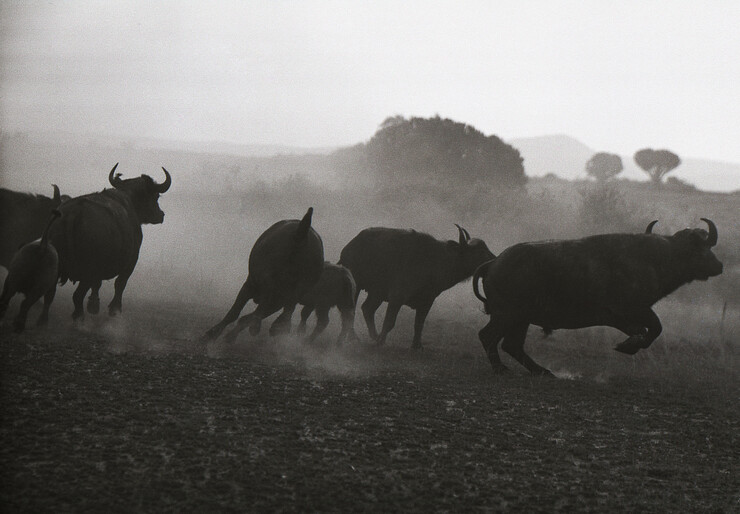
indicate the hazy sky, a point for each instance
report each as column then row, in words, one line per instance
column 619, row 76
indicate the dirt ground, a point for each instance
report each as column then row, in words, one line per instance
column 133, row 414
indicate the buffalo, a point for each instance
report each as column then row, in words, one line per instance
column 99, row 236
column 335, row 287
column 23, row 217
column 33, row 273
column 604, row 280
column 405, row 267
column 284, row 264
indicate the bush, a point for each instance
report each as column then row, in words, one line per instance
column 604, row 210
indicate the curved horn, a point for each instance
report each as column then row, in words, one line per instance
column 57, row 195
column 164, row 186
column 712, row 239
column 649, row 229
column 112, row 178
column 464, row 236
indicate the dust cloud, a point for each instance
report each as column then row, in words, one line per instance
column 191, row 267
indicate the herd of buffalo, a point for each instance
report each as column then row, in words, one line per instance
column 609, row 280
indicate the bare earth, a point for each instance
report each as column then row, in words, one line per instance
column 135, row 415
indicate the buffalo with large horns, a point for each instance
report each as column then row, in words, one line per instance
column 605, row 280
column 99, row 236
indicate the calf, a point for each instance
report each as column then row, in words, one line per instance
column 33, row 273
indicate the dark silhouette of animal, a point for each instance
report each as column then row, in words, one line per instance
column 23, row 217
column 609, row 280
column 335, row 287
column 33, row 273
column 405, row 267
column 284, row 264
column 99, row 236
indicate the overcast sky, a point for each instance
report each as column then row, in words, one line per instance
column 618, row 76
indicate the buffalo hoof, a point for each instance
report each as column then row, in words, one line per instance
column 78, row 316
column 114, row 311
column 93, row 305
column 632, row 345
column 19, row 326
column 499, row 369
column 543, row 373
column 211, row 334
column 255, row 327
column 230, row 337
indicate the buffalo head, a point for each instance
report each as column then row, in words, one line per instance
column 694, row 246
column 473, row 252
column 144, row 193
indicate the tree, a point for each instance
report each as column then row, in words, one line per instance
column 656, row 163
column 603, row 166
column 448, row 153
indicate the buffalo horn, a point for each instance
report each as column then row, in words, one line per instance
column 57, row 196
column 464, row 236
column 112, row 178
column 164, row 186
column 712, row 239
column 649, row 229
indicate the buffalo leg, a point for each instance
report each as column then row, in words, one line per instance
column 78, row 298
column 369, row 306
column 255, row 317
column 649, row 329
column 489, row 336
column 389, row 321
column 514, row 345
column 281, row 325
column 419, row 318
column 322, row 321
column 8, row 292
column 20, row 320
column 48, row 299
column 305, row 313
column 93, row 303
column 245, row 294
column 115, row 306
column 348, row 324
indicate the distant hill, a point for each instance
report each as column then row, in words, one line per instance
column 566, row 157
column 60, row 138
column 80, row 154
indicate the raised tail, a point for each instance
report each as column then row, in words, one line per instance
column 304, row 226
column 483, row 268
column 45, row 237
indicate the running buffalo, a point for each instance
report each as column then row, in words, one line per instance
column 284, row 264
column 405, row 267
column 23, row 217
column 609, row 280
column 99, row 236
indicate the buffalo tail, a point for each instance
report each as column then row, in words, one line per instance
column 483, row 268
